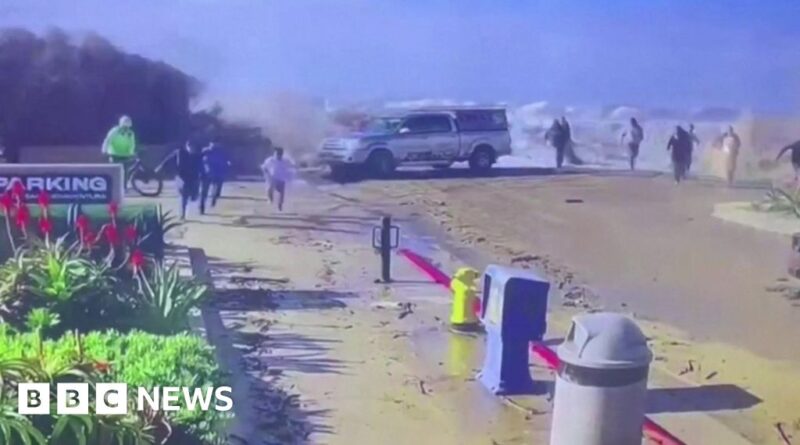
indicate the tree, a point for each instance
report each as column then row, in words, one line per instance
column 55, row 91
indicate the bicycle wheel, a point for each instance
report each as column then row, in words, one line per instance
column 146, row 183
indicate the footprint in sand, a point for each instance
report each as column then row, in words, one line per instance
column 283, row 239
column 327, row 273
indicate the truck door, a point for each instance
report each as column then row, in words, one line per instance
column 426, row 138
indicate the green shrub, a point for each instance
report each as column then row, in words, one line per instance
column 86, row 294
column 136, row 358
column 90, row 294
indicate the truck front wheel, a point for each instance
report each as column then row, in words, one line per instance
column 381, row 163
column 482, row 159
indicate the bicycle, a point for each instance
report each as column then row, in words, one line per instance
column 146, row 181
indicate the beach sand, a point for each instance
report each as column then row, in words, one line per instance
column 701, row 287
column 709, row 293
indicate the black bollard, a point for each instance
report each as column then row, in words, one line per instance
column 386, row 249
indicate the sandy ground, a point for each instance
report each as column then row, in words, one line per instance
column 703, row 288
column 373, row 362
column 296, row 296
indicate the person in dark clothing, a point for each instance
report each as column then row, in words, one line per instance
column 567, row 129
column 795, row 157
column 680, row 144
column 557, row 136
column 215, row 170
column 189, row 164
column 569, row 144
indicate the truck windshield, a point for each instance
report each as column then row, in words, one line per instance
column 382, row 125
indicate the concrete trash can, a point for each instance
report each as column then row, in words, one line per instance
column 601, row 384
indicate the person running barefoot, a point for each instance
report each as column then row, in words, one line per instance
column 730, row 144
column 634, row 136
column 278, row 172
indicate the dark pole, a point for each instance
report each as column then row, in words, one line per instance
column 386, row 248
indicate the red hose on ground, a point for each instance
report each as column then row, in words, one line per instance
column 652, row 431
column 426, row 267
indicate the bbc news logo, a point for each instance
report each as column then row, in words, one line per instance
column 112, row 398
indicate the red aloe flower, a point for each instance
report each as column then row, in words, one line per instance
column 23, row 217
column 113, row 210
column 88, row 239
column 111, row 233
column 102, row 367
column 18, row 191
column 45, row 226
column 43, row 199
column 131, row 234
column 137, row 260
column 82, row 223
column 6, row 202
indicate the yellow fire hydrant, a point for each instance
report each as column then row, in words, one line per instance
column 462, row 317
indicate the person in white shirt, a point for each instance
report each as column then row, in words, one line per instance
column 634, row 136
column 730, row 143
column 277, row 172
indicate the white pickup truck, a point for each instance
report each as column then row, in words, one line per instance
column 435, row 138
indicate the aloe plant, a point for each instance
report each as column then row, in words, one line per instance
column 16, row 428
column 13, row 275
column 62, row 272
column 780, row 200
column 165, row 298
column 40, row 320
column 137, row 358
column 92, row 429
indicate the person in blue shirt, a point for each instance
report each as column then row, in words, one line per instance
column 215, row 171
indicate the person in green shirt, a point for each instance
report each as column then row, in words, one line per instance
column 120, row 144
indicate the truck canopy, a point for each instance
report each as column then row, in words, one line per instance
column 473, row 119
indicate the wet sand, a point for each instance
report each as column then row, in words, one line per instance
column 642, row 245
column 368, row 363
column 635, row 244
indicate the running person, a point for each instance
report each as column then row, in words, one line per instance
column 731, row 143
column 569, row 144
column 277, row 172
column 557, row 138
column 634, row 135
column 795, row 157
column 680, row 147
column 215, row 170
column 189, row 164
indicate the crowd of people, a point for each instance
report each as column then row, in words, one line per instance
column 201, row 172
column 681, row 146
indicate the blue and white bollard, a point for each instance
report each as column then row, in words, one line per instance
column 514, row 313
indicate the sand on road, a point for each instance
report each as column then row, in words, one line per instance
column 369, row 363
column 642, row 245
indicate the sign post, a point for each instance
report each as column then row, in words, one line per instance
column 67, row 183
column 385, row 238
